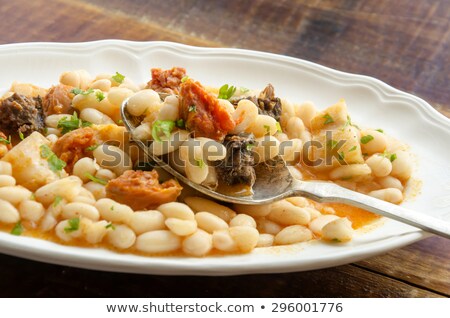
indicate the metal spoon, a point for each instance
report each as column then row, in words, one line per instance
column 269, row 188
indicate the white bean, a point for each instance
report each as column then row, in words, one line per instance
column 84, row 167
column 117, row 95
column 161, row 241
column 380, row 165
column 306, row 112
column 392, row 195
column 14, row 194
column 102, row 84
column 7, row 181
column 113, row 211
column 55, row 208
column 266, row 148
column 243, row 220
column 97, row 189
column 142, row 102
column 168, row 145
column 176, row 210
column 77, row 209
column 5, row 168
column 210, row 222
column 313, row 212
column 53, row 137
column 198, row 244
column 201, row 204
column 244, row 115
column 52, row 131
column 265, row 240
column 146, row 221
column 298, row 201
column 295, row 128
column 121, row 236
column 390, row 182
column 263, row 125
column 143, row 132
column 95, row 116
column 31, row 210
column 96, row 231
column 78, row 78
column 401, row 166
column 377, row 143
column 8, row 213
column 293, row 234
column 285, row 213
column 227, row 105
column 287, row 111
column 318, row 223
column 113, row 158
column 169, row 110
column 105, row 174
column 246, row 237
column 181, row 227
column 290, row 150
column 339, row 230
column 211, row 149
column 350, row 171
column 62, row 230
column 51, row 121
column 67, row 188
column 267, row 226
column 48, row 222
column 81, row 101
column 223, row 241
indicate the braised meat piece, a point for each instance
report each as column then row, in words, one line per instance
column 58, row 100
column 202, row 112
column 142, row 190
column 21, row 114
column 238, row 165
column 167, row 81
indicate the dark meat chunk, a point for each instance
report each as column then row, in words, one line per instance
column 167, row 81
column 142, row 189
column 58, row 100
column 21, row 114
column 203, row 113
column 238, row 165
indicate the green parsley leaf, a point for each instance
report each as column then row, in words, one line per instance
column 110, row 226
column 380, row 130
column 78, row 91
column 180, row 123
column 100, row 96
column 279, row 127
column 112, row 208
column 249, row 147
column 73, row 123
column 225, row 92
column 33, row 196
column 5, row 141
column 192, row 108
column 54, row 163
column 17, row 229
column 336, row 240
column 162, row 126
column 328, row 119
column 120, row 122
column 21, row 136
column 95, row 179
column 92, row 148
column 200, row 163
column 57, row 200
column 352, row 149
column 243, row 89
column 267, row 128
column 365, row 139
column 118, row 78
column 184, row 79
column 74, row 225
column 331, row 143
column 393, row 157
column 341, row 155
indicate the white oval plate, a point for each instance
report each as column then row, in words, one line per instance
column 371, row 103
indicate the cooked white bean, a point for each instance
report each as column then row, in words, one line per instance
column 31, row 210
column 7, row 181
column 339, row 230
column 244, row 115
column 14, row 194
column 265, row 148
column 246, row 237
column 390, row 182
column 113, row 211
column 101, row 84
column 51, row 121
column 402, row 166
column 81, row 101
column 169, row 110
column 48, row 222
column 376, row 144
column 293, row 234
column 77, row 209
column 146, row 221
column 142, row 102
column 287, row 111
column 313, row 212
column 55, row 208
column 263, row 125
column 105, row 174
column 392, row 195
column 63, row 232
column 168, row 145
column 295, row 127
column 96, row 231
column 210, row 222
column 67, row 188
column 265, row 240
column 52, row 137
column 318, row 223
column 267, row 226
column 113, row 158
column 350, row 171
column 84, row 199
column 143, row 132
column 181, row 227
column 121, row 236
column 306, row 112
column 161, row 241
column 95, row 116
column 223, row 241
column 8, row 213
column 176, row 210
column 285, row 213
column 298, row 201
column 380, row 165
column 78, row 78
column 201, row 204
column 84, row 167
column 281, row 136
column 227, row 105
column 198, row 244
column 243, row 220
column 117, row 95
column 253, row 210
column 5, row 168
column 290, row 150
column 211, row 149
column 97, row 189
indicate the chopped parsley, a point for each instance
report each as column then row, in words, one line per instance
column 100, row 96
column 336, row 240
column 328, row 119
column 112, row 208
column 118, row 78
column 365, row 139
column 180, row 123
column 192, row 108
column 17, row 229
column 73, row 123
column 279, row 127
column 74, row 225
column 243, row 89
column 21, row 136
column 380, row 130
column 110, row 226
column 352, row 149
column 341, row 155
column 225, row 92
column 249, row 147
column 57, row 200
column 184, row 79
column 95, row 179
column 79, row 91
column 92, row 148
column 162, row 126
column 331, row 143
column 6, row 141
column 120, row 122
column 267, row 128
column 393, row 157
column 54, row 163
column 200, row 163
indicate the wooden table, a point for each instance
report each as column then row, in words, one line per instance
column 404, row 43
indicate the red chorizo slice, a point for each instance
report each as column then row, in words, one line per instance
column 167, row 81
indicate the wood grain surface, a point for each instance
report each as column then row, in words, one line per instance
column 404, row 43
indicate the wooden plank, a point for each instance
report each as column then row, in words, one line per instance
column 425, row 264
column 23, row 278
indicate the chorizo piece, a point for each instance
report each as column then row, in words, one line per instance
column 167, row 81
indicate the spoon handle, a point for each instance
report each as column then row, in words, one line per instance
column 330, row 192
